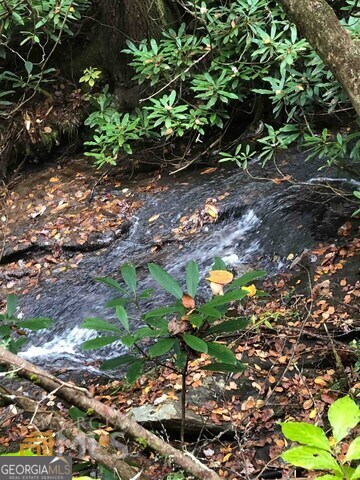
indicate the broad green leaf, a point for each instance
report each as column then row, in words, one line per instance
column 349, row 471
column 5, row 330
column 225, row 367
column 356, row 474
column 147, row 332
column 157, row 323
column 195, row 343
column 117, row 362
column 343, row 415
column 161, row 311
column 353, row 452
column 227, row 298
column 221, row 353
column 35, row 323
column 146, row 293
column 122, row 316
column 306, row 434
column 76, row 414
column 229, row 326
column 135, row 370
column 111, row 283
column 128, row 273
column 311, row 458
column 165, row 280
column 11, row 304
column 192, row 278
column 196, row 320
column 98, row 342
column 247, row 278
column 218, row 264
column 328, row 477
column 161, row 347
column 99, row 325
column 128, row 340
column 210, row 311
column 116, row 301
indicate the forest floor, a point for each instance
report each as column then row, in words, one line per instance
column 299, row 347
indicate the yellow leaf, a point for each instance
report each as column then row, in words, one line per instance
column 211, row 210
column 154, row 217
column 221, row 277
column 226, row 458
column 251, row 289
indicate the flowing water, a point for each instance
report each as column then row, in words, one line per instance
column 260, row 223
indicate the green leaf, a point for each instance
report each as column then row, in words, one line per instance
column 225, row 367
column 356, row 474
column 146, row 293
column 306, row 434
column 247, row 278
column 311, row 458
column 195, row 343
column 116, row 301
column 128, row 340
column 161, row 347
column 100, row 325
column 128, row 273
column 35, row 323
column 192, row 278
column 122, row 316
column 210, row 311
column 353, row 452
column 328, row 477
column 147, row 332
column 17, row 18
column 159, row 312
column 196, row 320
column 5, row 331
column 227, row 298
column 219, row 264
column 229, row 326
column 165, row 280
column 111, row 283
column 25, row 453
column 157, row 323
column 343, row 415
column 221, row 353
column 98, row 342
column 117, row 362
column 11, row 304
column 135, row 370
column 28, row 67
column 76, row 414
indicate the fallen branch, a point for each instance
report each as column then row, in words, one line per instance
column 109, row 457
column 108, row 414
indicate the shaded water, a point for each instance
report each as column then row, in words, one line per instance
column 260, row 222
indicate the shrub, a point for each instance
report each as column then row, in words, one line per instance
column 233, row 57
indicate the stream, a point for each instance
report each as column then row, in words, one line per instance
column 260, row 222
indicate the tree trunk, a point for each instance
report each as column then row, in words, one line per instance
column 133, row 20
column 317, row 22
